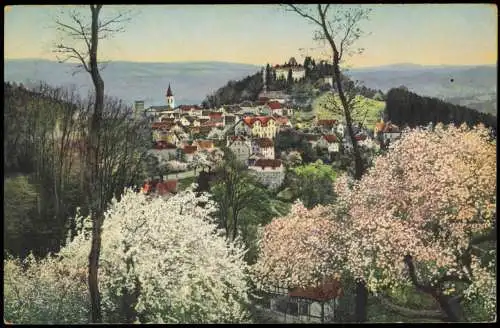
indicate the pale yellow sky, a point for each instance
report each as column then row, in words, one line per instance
column 424, row 34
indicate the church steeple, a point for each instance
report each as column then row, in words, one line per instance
column 170, row 97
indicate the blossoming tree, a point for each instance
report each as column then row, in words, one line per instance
column 162, row 261
column 298, row 250
column 422, row 213
column 421, row 217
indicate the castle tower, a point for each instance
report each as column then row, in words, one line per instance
column 170, row 97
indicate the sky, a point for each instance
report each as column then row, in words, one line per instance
column 425, row 34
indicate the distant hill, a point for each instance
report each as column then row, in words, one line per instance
column 404, row 107
column 130, row 81
column 471, row 86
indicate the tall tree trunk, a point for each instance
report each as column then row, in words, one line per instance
column 451, row 308
column 358, row 163
column 94, row 186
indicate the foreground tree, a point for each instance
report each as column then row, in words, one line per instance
column 298, row 250
column 422, row 218
column 432, row 225
column 340, row 28
column 162, row 261
column 78, row 28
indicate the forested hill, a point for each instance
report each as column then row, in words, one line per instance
column 407, row 108
column 308, row 87
column 236, row 91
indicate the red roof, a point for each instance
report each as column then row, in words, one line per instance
column 250, row 120
column 186, row 108
column 237, row 138
column 274, row 105
column 330, row 138
column 327, row 122
column 360, row 137
column 164, row 145
column 324, row 292
column 160, row 125
column 189, row 149
column 215, row 115
column 268, row 163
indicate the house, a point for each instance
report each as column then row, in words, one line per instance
column 164, row 151
column 283, row 122
column 328, row 126
column 330, row 142
column 241, row 147
column 287, row 111
column 386, row 131
column 215, row 121
column 273, row 108
column 189, row 109
column 206, row 145
column 215, row 115
column 189, row 151
column 263, row 146
column 259, row 126
column 269, row 172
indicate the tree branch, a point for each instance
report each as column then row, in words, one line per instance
column 71, row 53
column 296, row 9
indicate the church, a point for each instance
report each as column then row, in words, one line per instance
column 155, row 111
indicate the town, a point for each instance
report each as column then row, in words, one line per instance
column 184, row 136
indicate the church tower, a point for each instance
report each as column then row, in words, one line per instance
column 170, row 98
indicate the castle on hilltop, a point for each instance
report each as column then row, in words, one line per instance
column 298, row 71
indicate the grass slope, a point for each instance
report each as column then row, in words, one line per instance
column 373, row 109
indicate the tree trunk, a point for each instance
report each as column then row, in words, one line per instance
column 358, row 163
column 451, row 308
column 361, row 302
column 95, row 298
column 94, row 186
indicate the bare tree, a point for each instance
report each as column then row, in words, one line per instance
column 339, row 28
column 87, row 35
